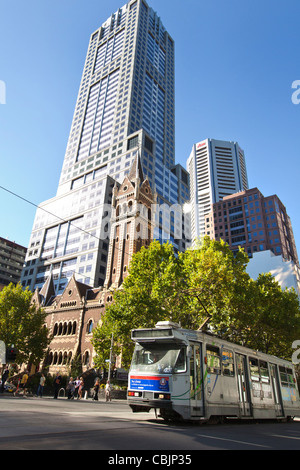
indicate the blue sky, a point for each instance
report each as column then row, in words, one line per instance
column 235, row 65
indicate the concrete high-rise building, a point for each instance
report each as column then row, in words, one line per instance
column 125, row 107
column 12, row 256
column 262, row 227
column 217, row 168
column 255, row 222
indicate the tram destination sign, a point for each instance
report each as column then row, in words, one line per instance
column 152, row 333
column 151, row 383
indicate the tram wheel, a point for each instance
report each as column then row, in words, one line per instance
column 170, row 415
column 216, row 419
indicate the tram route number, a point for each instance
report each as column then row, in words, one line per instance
column 157, row 459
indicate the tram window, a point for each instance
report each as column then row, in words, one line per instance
column 264, row 371
column 254, row 370
column 213, row 359
column 157, row 357
column 290, row 377
column 227, row 363
column 283, row 376
column 286, row 377
column 259, row 370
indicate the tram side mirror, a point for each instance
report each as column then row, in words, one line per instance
column 189, row 351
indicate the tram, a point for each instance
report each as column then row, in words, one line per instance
column 196, row 376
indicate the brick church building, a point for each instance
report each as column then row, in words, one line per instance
column 74, row 314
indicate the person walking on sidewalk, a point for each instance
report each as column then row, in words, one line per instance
column 57, row 384
column 71, row 389
column 40, row 389
column 96, row 389
column 77, row 384
column 81, row 388
column 4, row 378
column 24, row 382
column 108, row 391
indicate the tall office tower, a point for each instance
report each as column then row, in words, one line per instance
column 125, row 107
column 180, row 220
column 217, row 168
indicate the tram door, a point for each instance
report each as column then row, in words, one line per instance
column 196, row 382
column 243, row 389
column 276, row 390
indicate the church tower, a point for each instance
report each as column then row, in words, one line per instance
column 132, row 223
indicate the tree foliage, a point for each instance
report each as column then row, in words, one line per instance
column 207, row 285
column 22, row 324
column 213, row 276
column 275, row 319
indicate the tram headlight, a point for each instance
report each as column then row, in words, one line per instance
column 134, row 394
column 162, row 396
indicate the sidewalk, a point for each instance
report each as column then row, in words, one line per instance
column 31, row 396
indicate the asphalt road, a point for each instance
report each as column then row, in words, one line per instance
column 48, row 424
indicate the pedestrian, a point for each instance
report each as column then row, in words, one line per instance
column 81, row 388
column 40, row 389
column 96, row 389
column 4, row 378
column 57, row 384
column 71, row 388
column 77, row 384
column 108, row 391
column 24, row 382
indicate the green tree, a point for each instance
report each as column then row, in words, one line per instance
column 275, row 321
column 255, row 313
column 213, row 277
column 208, row 286
column 22, row 324
column 75, row 369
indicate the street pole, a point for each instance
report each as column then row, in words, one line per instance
column 110, row 357
column 2, row 353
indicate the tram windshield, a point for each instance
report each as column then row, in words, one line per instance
column 159, row 358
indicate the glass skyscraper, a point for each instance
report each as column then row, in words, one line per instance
column 125, row 105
